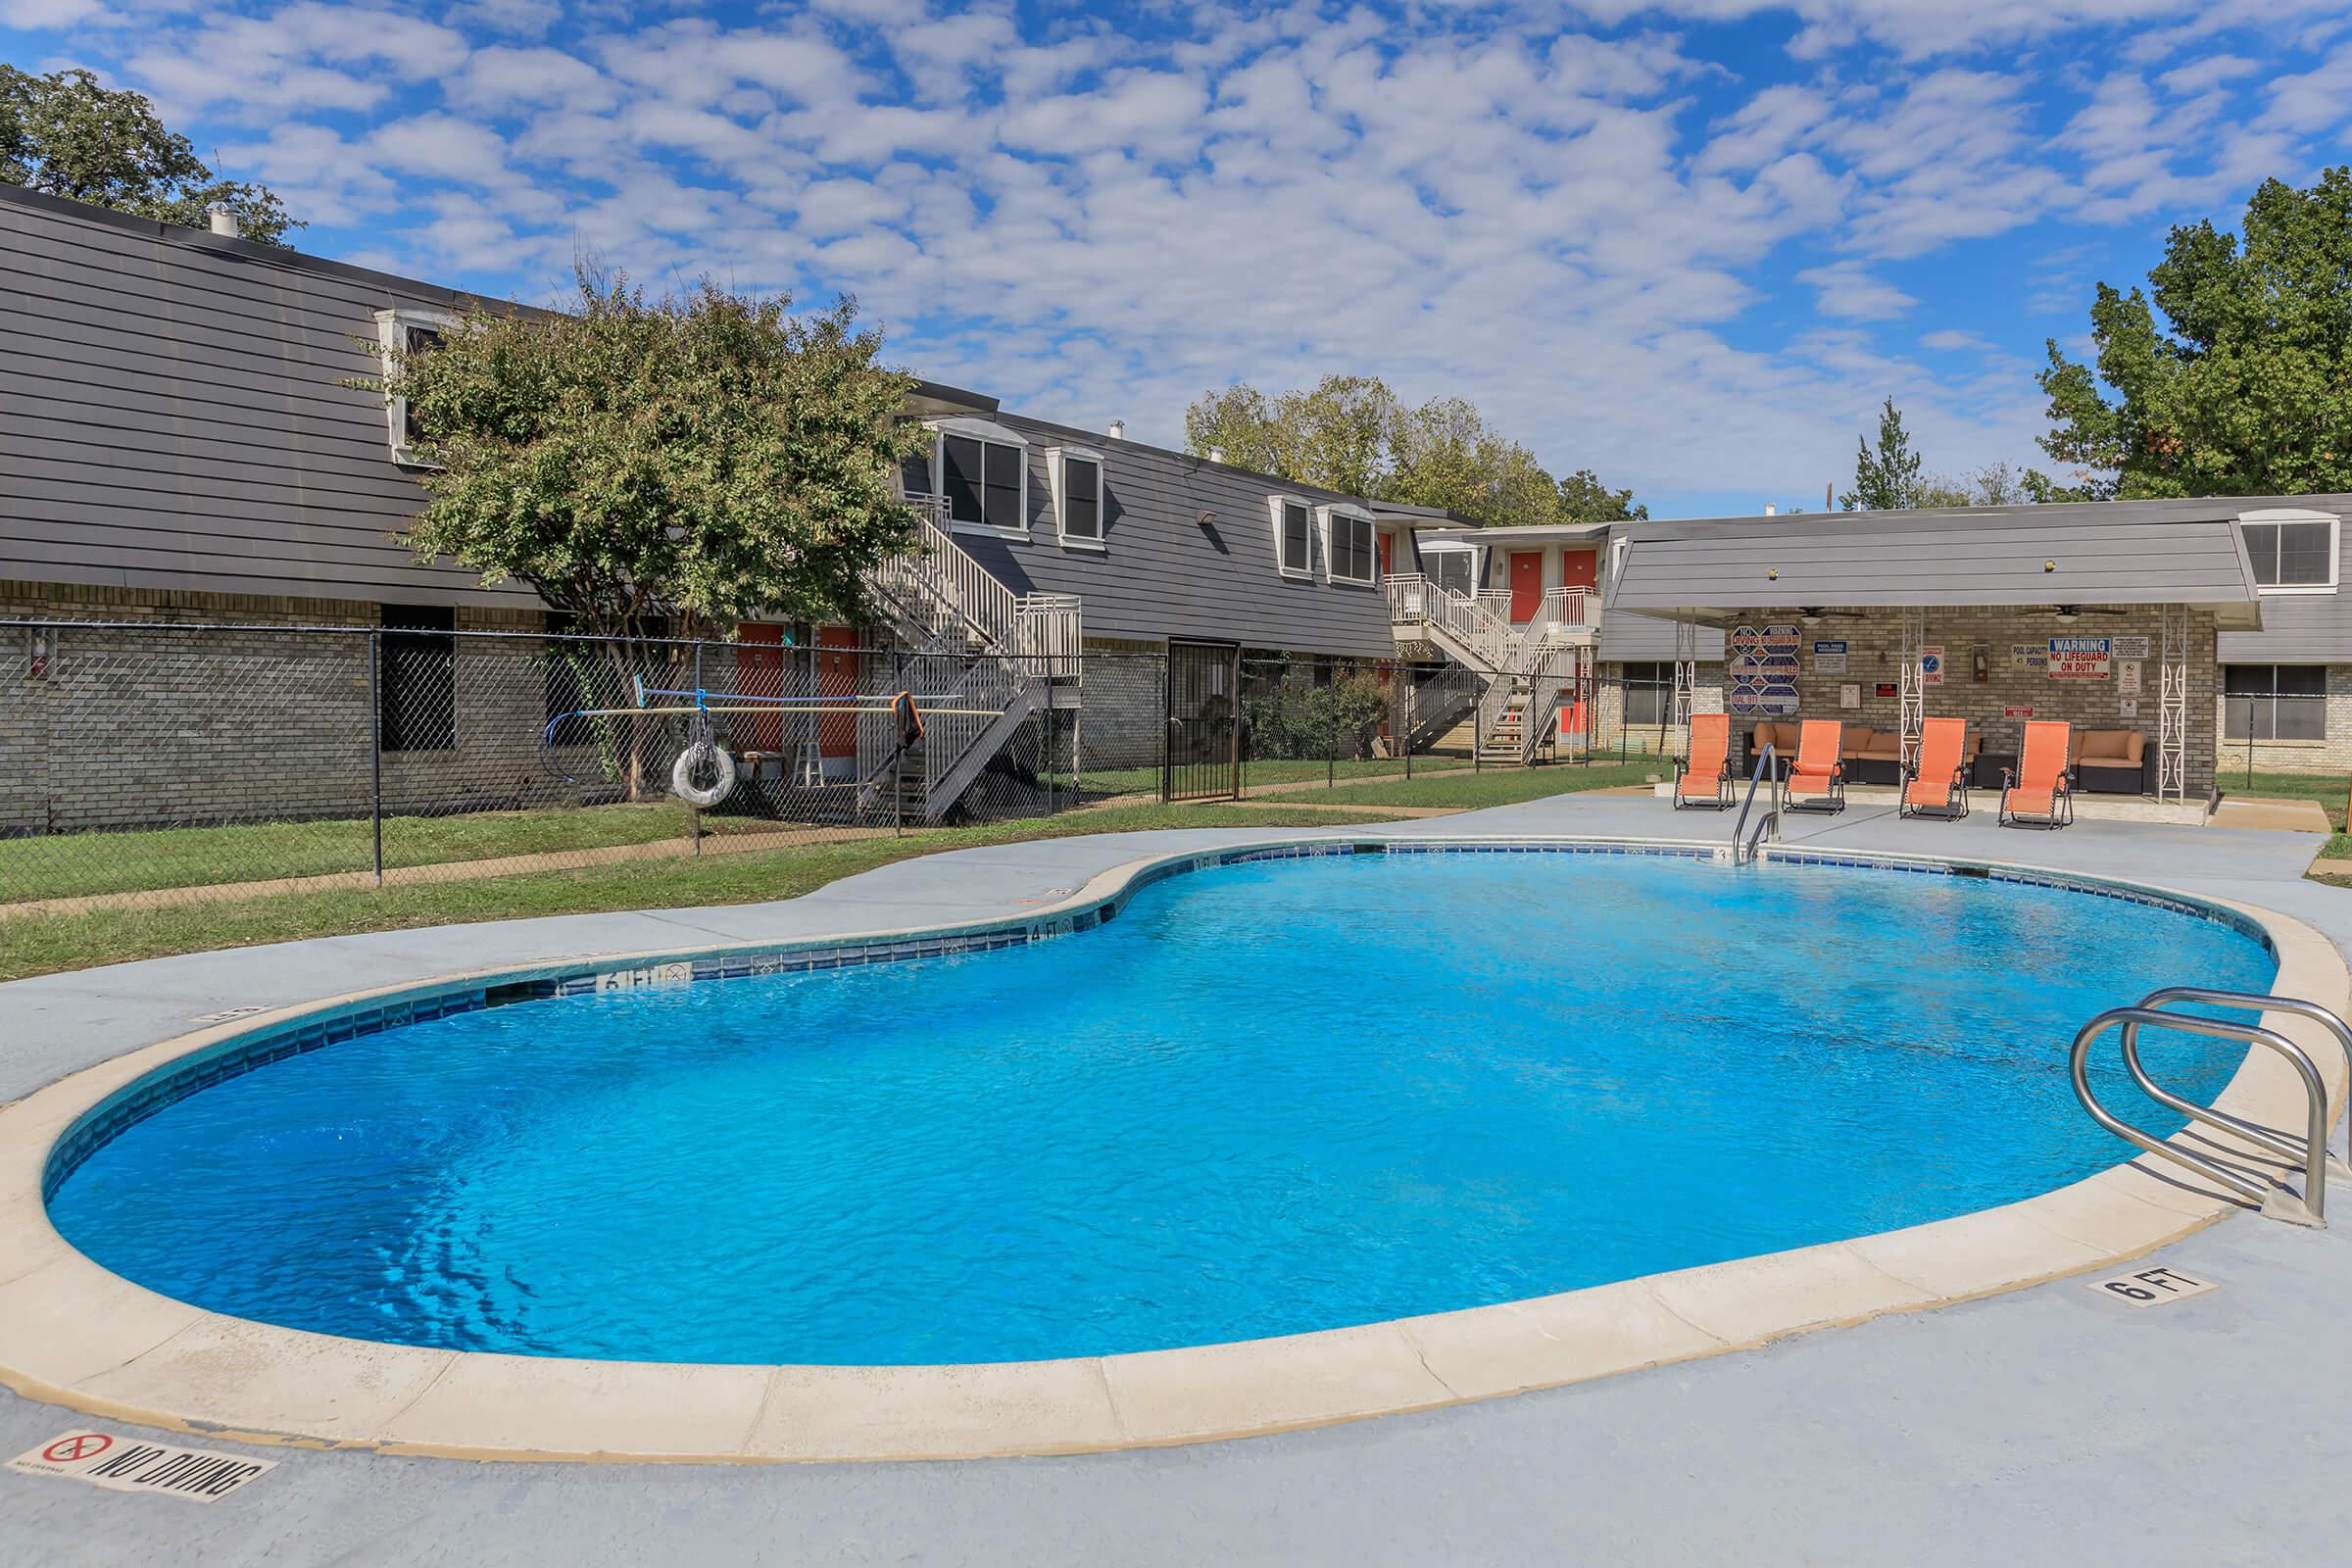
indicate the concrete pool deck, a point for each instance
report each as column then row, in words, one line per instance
column 1691, row 1464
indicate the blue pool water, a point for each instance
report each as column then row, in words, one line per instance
column 1268, row 1098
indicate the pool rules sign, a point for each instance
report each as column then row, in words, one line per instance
column 130, row 1464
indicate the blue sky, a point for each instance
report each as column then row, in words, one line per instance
column 1688, row 244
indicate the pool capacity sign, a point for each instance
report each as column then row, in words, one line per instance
column 1762, row 667
column 2080, row 658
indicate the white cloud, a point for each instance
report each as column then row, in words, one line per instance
column 1845, row 292
column 1625, row 249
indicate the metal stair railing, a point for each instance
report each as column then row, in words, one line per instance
column 2310, row 1208
column 1438, row 702
column 942, row 590
column 1415, row 600
column 1565, row 610
column 2250, row 1002
column 1544, row 698
column 1743, row 844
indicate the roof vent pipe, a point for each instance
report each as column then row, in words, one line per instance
column 1770, row 509
column 223, row 220
column 1119, row 430
column 1216, row 454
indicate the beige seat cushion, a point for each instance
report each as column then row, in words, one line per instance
column 2111, row 748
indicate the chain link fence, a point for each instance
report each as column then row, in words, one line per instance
column 2273, row 731
column 149, row 762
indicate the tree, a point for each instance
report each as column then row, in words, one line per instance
column 65, row 136
column 660, row 468
column 1886, row 480
column 1333, row 435
column 690, row 462
column 1351, row 435
column 1444, row 454
column 1583, row 497
column 2246, row 387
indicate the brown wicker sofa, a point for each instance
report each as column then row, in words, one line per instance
column 2111, row 761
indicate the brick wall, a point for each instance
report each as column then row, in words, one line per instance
column 1874, row 643
column 1124, row 712
column 124, row 728
column 1610, row 733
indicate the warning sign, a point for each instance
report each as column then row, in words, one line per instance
column 126, row 1464
column 2080, row 658
column 1931, row 666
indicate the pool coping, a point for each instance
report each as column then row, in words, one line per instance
column 73, row 1334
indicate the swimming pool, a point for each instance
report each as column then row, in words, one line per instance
column 1268, row 1098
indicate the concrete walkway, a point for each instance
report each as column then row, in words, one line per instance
column 2047, row 1426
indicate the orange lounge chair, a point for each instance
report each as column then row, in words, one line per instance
column 1704, row 777
column 1935, row 784
column 1819, row 772
column 2040, row 791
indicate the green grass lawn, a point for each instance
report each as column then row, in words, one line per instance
column 1146, row 780
column 72, row 864
column 1494, row 786
column 2328, row 789
column 42, row 944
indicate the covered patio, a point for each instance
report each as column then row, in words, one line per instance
column 1883, row 620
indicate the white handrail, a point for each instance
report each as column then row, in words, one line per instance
column 946, row 590
column 1414, row 596
column 1565, row 607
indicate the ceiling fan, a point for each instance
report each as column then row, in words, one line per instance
column 2070, row 612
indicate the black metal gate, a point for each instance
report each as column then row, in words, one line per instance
column 1204, row 759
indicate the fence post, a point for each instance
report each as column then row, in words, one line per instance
column 376, row 750
column 1407, row 700
column 1330, row 733
column 694, row 813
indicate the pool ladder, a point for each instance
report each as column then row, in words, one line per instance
column 1744, row 843
column 2310, row 1151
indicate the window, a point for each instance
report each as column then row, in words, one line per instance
column 1294, row 537
column 2274, row 702
column 1348, row 552
column 1455, row 570
column 2291, row 551
column 1077, row 479
column 402, row 333
column 417, row 686
column 986, row 482
column 1648, row 694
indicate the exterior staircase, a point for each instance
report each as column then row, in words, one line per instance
column 1517, row 673
column 988, row 659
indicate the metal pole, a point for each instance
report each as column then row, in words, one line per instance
column 375, row 748
column 1406, row 699
column 694, row 813
column 1330, row 733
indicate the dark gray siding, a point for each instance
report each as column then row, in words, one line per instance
column 2297, row 629
column 1166, row 575
column 2086, row 555
column 173, row 418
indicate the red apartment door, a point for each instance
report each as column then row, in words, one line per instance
column 1527, row 585
column 837, row 676
column 1580, row 569
column 1384, row 557
column 759, row 672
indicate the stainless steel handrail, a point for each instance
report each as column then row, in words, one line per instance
column 2252, row 1003
column 1741, row 854
column 2308, row 1209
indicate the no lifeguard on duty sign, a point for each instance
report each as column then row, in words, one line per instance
column 126, row 1464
